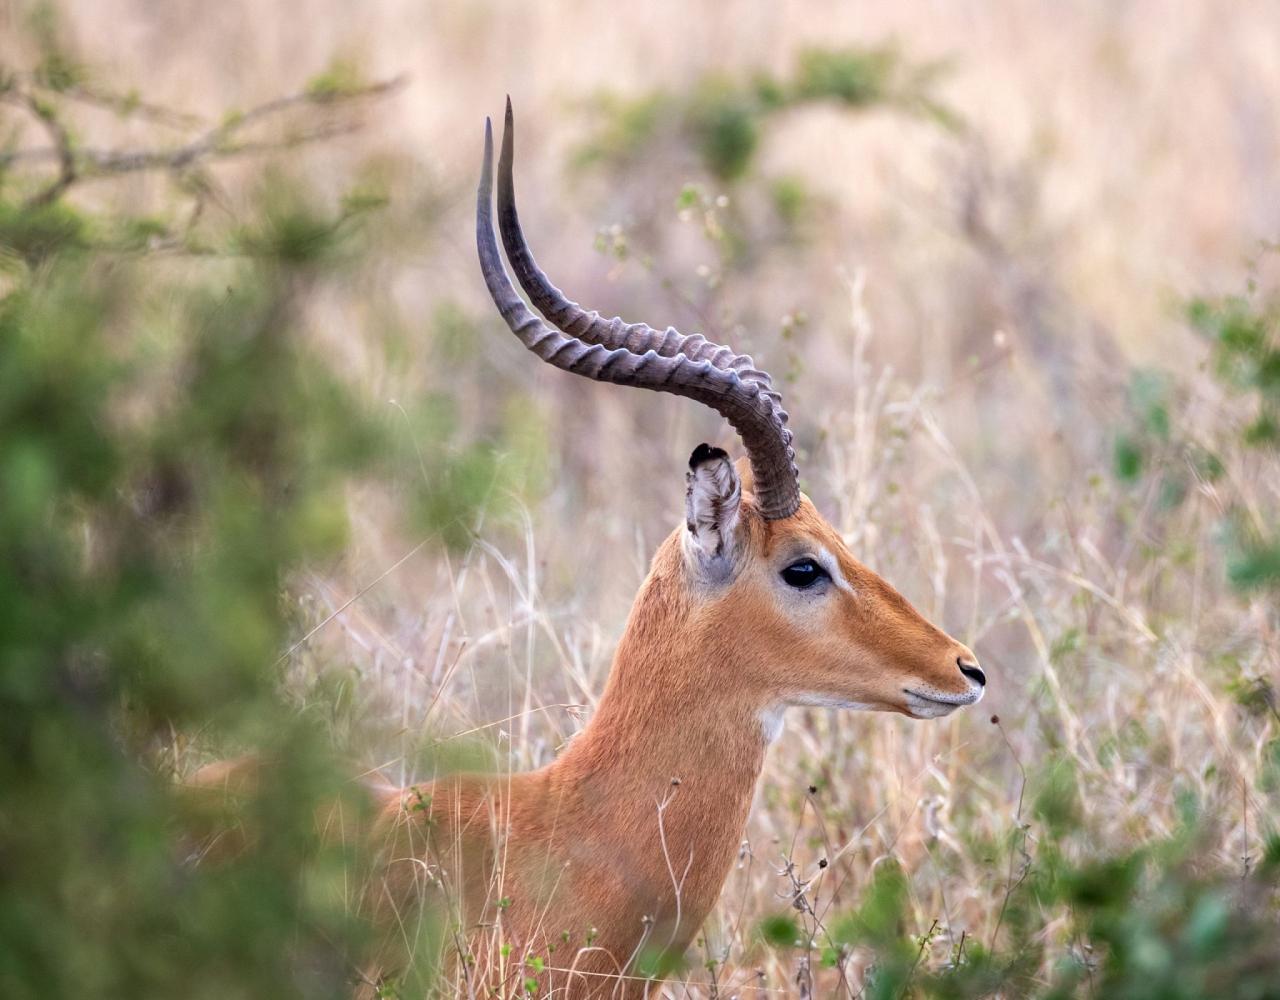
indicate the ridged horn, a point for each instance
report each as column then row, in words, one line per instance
column 589, row 326
column 741, row 396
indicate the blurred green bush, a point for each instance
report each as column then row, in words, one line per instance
column 168, row 453
column 173, row 445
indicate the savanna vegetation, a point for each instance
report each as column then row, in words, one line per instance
column 274, row 478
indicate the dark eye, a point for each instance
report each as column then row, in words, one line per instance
column 804, row 573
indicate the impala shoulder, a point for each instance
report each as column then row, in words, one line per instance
column 432, row 803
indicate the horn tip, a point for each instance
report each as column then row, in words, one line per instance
column 508, row 135
column 486, row 162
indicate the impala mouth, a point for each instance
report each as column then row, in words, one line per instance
column 935, row 706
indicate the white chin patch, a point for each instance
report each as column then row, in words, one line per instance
column 771, row 718
column 925, row 708
column 933, row 704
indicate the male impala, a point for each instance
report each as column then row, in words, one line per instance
column 754, row 603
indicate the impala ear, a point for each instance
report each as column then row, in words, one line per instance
column 712, row 499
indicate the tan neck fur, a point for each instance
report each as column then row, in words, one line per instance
column 660, row 736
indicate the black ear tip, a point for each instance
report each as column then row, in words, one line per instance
column 706, row 453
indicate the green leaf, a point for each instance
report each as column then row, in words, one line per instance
column 1127, row 458
column 780, row 930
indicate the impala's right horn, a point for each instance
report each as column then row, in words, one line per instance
column 633, row 354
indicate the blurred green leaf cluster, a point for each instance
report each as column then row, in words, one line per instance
column 1144, row 438
column 721, row 117
column 1158, row 447
column 1244, row 339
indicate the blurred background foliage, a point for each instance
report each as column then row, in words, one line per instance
column 173, row 446
column 272, row 477
column 720, row 118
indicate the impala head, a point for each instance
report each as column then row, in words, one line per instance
column 765, row 571
column 813, row 626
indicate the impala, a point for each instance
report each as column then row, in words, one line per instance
column 752, row 604
column 621, row 845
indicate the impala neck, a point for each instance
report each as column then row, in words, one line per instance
column 674, row 705
column 674, row 726
column 659, row 719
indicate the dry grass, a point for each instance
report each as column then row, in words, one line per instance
column 974, row 304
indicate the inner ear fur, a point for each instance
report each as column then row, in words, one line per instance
column 713, row 498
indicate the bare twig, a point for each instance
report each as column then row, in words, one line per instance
column 924, row 943
column 222, row 141
column 1011, row 884
column 62, row 146
column 125, row 105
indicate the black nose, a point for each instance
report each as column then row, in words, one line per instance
column 972, row 671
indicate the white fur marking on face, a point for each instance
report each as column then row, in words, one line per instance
column 832, row 567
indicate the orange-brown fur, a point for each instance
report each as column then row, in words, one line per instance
column 625, row 840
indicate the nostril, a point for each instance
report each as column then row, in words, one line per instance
column 972, row 671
